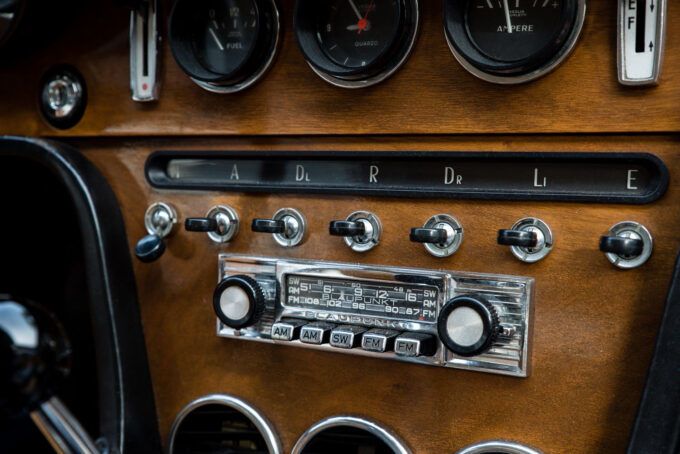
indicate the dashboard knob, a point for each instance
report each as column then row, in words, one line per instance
column 518, row 238
column 150, row 248
column 159, row 220
column 346, row 228
column 441, row 235
column 288, row 227
column 221, row 224
column 621, row 246
column 468, row 325
column 239, row 301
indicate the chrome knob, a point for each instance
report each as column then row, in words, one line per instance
column 627, row 245
column 530, row 239
column 361, row 230
column 288, row 227
column 441, row 235
column 159, row 220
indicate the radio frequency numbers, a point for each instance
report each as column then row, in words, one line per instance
column 413, row 302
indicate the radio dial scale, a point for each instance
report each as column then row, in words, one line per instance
column 469, row 321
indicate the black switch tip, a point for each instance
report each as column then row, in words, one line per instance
column 623, row 247
column 200, row 225
column 433, row 236
column 519, row 238
column 346, row 228
column 268, row 226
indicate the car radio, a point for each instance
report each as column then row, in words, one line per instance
column 469, row 321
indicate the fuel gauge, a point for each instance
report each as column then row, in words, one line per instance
column 224, row 45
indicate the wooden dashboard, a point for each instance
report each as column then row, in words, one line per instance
column 594, row 326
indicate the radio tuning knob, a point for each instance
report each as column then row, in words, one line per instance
column 238, row 301
column 468, row 325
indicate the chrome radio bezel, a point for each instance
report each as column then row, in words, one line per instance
column 510, row 354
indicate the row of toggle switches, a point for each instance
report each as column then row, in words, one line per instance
column 377, row 340
column 627, row 245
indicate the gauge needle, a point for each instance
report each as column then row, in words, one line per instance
column 356, row 10
column 507, row 15
column 363, row 23
column 217, row 40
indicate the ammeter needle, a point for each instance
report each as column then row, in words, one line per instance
column 507, row 15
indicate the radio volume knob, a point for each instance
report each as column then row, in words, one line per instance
column 239, row 301
column 468, row 325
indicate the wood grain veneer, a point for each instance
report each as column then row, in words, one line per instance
column 431, row 94
column 594, row 325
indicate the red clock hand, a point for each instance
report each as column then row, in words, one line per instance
column 362, row 25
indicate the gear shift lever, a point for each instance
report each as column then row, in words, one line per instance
column 35, row 358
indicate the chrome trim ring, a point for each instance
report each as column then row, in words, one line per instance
column 639, row 230
column 226, row 215
column 371, row 239
column 259, row 74
column 550, row 66
column 290, row 241
column 498, row 447
column 388, row 72
column 260, row 422
column 452, row 246
column 169, row 215
column 533, row 255
column 392, row 440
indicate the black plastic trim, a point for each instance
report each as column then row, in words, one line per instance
column 657, row 424
column 128, row 419
column 156, row 175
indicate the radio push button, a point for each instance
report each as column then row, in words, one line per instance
column 415, row 344
column 379, row 340
column 287, row 330
column 468, row 325
column 348, row 336
column 316, row 333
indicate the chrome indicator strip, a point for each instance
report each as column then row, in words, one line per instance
column 641, row 34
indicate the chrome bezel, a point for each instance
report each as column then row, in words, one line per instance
column 658, row 52
column 261, row 423
column 299, row 236
column 387, row 72
column 550, row 66
column 148, row 219
column 647, row 241
column 498, row 446
column 525, row 254
column 231, row 215
column 451, row 248
column 355, row 242
column 260, row 73
column 512, row 296
column 390, row 438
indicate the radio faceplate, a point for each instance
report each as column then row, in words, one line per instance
column 386, row 312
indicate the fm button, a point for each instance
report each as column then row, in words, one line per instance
column 415, row 344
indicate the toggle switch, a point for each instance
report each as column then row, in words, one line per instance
column 159, row 220
column 441, row 235
column 627, row 245
column 221, row 224
column 530, row 239
column 288, row 227
column 361, row 230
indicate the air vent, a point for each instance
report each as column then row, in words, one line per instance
column 222, row 424
column 498, row 447
column 348, row 435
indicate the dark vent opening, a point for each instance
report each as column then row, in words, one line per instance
column 346, row 440
column 216, row 428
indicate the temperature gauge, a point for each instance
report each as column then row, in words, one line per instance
column 642, row 26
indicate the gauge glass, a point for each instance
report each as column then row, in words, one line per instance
column 514, row 30
column 225, row 34
column 357, row 33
